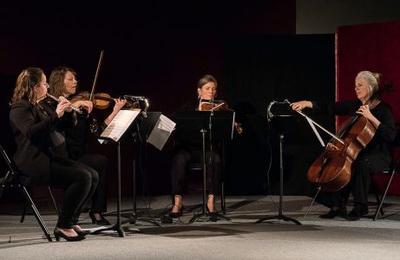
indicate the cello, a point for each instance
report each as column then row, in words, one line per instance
column 331, row 171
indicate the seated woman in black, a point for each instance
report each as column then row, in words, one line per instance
column 375, row 157
column 186, row 151
column 41, row 154
column 63, row 83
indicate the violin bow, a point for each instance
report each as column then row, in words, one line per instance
column 97, row 74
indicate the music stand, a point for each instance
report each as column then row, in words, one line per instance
column 218, row 124
column 142, row 130
column 114, row 133
column 281, row 110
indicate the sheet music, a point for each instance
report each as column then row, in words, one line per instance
column 120, row 124
column 161, row 132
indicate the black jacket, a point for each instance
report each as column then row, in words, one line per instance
column 37, row 141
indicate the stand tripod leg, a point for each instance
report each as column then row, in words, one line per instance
column 204, row 206
column 280, row 215
column 117, row 227
column 133, row 218
column 210, row 216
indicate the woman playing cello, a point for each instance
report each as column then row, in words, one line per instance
column 375, row 156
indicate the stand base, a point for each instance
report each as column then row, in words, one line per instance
column 133, row 219
column 279, row 217
column 117, row 228
column 203, row 217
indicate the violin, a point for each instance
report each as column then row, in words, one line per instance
column 218, row 105
column 100, row 100
column 213, row 105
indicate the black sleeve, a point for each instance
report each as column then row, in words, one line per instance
column 340, row 108
column 387, row 128
column 23, row 118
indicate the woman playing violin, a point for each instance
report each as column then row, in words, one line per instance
column 375, row 156
column 185, row 152
column 63, row 83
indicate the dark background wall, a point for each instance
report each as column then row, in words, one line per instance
column 160, row 49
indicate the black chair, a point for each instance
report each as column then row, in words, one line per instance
column 13, row 178
column 52, row 199
column 392, row 171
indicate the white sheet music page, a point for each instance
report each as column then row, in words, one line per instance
column 161, row 132
column 120, row 124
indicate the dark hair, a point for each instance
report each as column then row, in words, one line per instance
column 56, row 80
column 205, row 79
column 26, row 80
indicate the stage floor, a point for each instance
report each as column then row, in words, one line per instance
column 237, row 238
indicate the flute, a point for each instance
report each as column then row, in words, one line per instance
column 56, row 99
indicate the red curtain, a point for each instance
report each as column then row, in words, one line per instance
column 373, row 47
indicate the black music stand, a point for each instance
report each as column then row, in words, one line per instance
column 117, row 226
column 142, row 129
column 195, row 125
column 106, row 136
column 279, row 109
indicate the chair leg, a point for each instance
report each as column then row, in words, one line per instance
column 37, row 214
column 24, row 212
column 384, row 195
column 378, row 202
column 54, row 201
column 223, row 206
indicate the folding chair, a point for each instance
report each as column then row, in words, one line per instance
column 394, row 168
column 12, row 177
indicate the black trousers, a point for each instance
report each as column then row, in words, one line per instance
column 179, row 165
column 79, row 182
column 99, row 163
column 365, row 165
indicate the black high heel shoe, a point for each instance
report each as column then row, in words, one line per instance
column 58, row 233
column 176, row 214
column 101, row 222
column 213, row 215
column 169, row 217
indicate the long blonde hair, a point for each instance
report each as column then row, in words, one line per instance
column 26, row 80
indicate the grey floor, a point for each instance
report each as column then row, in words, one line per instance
column 238, row 238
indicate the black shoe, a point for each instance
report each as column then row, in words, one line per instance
column 212, row 215
column 166, row 219
column 58, row 233
column 357, row 212
column 101, row 222
column 176, row 214
column 339, row 212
